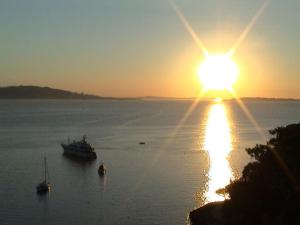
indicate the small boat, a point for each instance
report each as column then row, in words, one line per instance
column 142, row 143
column 44, row 186
column 80, row 149
column 102, row 170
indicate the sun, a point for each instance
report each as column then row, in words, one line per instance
column 218, row 72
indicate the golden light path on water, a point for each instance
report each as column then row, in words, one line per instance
column 218, row 144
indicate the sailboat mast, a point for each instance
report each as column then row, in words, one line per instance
column 45, row 160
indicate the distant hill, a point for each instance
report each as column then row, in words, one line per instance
column 267, row 99
column 35, row 92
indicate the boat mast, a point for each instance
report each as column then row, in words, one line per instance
column 45, row 164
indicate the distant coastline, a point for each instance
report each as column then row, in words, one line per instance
column 267, row 99
column 24, row 92
column 211, row 99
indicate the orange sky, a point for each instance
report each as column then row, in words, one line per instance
column 130, row 49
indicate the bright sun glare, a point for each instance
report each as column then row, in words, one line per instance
column 218, row 72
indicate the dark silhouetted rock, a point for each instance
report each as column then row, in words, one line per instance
column 268, row 191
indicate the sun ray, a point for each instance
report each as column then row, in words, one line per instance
column 249, row 115
column 168, row 141
column 188, row 113
column 249, row 27
column 183, row 120
column 189, row 28
column 280, row 161
column 230, row 53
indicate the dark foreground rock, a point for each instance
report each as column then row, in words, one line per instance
column 209, row 214
column 268, row 192
column 228, row 213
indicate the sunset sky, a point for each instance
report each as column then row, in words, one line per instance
column 141, row 48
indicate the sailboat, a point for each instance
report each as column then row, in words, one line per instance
column 44, row 186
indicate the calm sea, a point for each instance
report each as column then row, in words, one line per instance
column 185, row 158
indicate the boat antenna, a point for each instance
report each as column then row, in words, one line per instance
column 46, row 170
column 45, row 165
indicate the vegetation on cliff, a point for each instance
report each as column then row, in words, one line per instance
column 268, row 191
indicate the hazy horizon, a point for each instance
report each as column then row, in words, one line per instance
column 147, row 96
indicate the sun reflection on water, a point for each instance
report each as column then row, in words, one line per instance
column 218, row 144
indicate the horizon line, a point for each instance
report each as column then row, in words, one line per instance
column 154, row 96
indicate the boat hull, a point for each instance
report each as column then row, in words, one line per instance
column 78, row 154
column 42, row 188
column 101, row 170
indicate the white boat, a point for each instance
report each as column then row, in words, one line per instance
column 79, row 149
